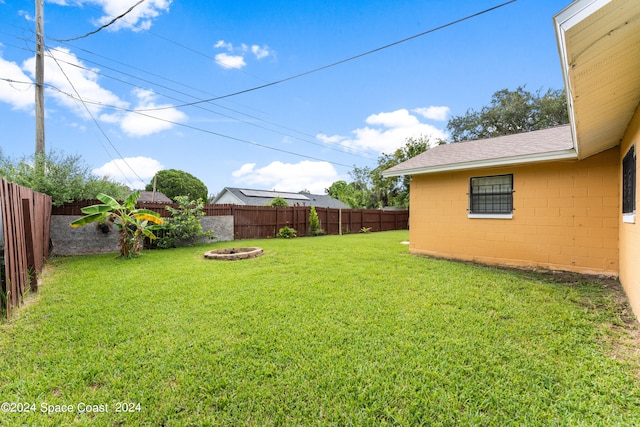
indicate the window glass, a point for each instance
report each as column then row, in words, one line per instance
column 491, row 194
column 629, row 181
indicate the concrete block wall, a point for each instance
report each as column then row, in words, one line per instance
column 91, row 240
column 565, row 217
column 630, row 231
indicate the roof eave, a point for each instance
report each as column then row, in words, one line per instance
column 597, row 44
column 569, row 154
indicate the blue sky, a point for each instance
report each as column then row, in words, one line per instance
column 303, row 133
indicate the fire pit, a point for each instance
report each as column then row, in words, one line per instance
column 230, row 254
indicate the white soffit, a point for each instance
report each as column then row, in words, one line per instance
column 599, row 44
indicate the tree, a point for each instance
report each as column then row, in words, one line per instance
column 66, row 178
column 173, row 183
column 356, row 194
column 278, row 201
column 370, row 190
column 314, row 222
column 394, row 191
column 511, row 112
column 132, row 223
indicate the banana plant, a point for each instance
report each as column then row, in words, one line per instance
column 132, row 223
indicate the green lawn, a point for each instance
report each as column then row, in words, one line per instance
column 332, row 330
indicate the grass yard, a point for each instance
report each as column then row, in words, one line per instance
column 332, row 330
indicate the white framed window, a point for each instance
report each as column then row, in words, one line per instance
column 491, row 197
column 629, row 186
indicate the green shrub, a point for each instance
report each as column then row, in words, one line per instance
column 184, row 225
column 278, row 201
column 314, row 223
column 287, row 233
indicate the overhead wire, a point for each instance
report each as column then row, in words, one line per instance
column 199, row 129
column 113, row 21
column 333, row 64
column 299, row 75
column 97, row 124
column 325, row 146
column 351, row 151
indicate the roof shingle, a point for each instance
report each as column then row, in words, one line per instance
column 509, row 149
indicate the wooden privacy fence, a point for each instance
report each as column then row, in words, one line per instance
column 259, row 222
column 26, row 218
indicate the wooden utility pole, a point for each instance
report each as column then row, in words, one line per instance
column 39, row 85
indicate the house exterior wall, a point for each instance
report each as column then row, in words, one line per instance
column 566, row 216
column 228, row 198
column 630, row 232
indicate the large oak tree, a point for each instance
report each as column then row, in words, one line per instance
column 511, row 112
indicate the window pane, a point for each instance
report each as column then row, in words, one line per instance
column 491, row 194
column 629, row 181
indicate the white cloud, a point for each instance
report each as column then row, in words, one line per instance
column 395, row 119
column 19, row 95
column 434, row 113
column 245, row 169
column 139, row 18
column 388, row 132
column 230, row 61
column 235, row 58
column 84, row 80
column 120, row 170
column 260, row 52
column 149, row 122
column 304, row 175
column 26, row 15
column 222, row 44
column 86, row 84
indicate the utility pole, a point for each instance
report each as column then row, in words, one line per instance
column 39, row 87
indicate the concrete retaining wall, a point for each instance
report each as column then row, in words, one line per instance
column 91, row 240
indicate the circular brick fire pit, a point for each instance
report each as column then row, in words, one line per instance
column 230, row 254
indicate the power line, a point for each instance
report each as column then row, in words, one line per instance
column 97, row 124
column 105, row 25
column 207, row 131
column 362, row 153
column 351, row 58
column 329, row 147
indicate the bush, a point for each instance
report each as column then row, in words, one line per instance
column 314, row 223
column 184, row 225
column 278, row 201
column 287, row 233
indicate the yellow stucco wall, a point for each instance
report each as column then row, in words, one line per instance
column 630, row 233
column 566, row 217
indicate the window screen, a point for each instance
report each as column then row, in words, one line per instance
column 491, row 194
column 629, row 181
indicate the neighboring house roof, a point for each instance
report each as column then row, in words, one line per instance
column 252, row 197
column 528, row 147
column 599, row 50
column 148, row 196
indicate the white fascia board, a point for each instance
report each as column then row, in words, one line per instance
column 564, row 20
column 577, row 11
column 479, row 164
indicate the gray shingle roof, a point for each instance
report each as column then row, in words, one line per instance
column 252, row 197
column 541, row 145
column 147, row 196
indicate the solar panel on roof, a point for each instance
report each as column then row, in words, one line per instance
column 272, row 194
